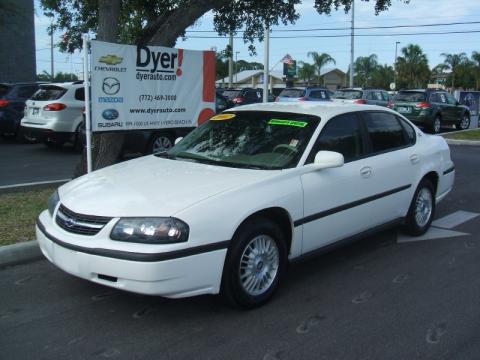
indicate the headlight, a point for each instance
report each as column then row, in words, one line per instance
column 52, row 202
column 150, row 230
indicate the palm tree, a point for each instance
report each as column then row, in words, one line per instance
column 364, row 68
column 453, row 61
column 412, row 67
column 320, row 60
column 476, row 60
column 438, row 71
column 306, row 72
column 383, row 76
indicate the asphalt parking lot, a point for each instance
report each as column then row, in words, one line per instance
column 385, row 297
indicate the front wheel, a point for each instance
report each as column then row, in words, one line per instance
column 255, row 264
column 436, row 125
column 160, row 142
column 464, row 124
column 422, row 209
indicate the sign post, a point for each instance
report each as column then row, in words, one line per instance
column 86, row 83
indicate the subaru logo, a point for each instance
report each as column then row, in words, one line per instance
column 70, row 222
column 111, row 86
column 110, row 114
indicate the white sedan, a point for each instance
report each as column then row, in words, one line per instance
column 240, row 196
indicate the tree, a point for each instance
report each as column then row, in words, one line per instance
column 382, row 76
column 476, row 61
column 453, row 61
column 306, row 72
column 412, row 67
column 162, row 22
column 319, row 61
column 438, row 72
column 59, row 77
column 364, row 68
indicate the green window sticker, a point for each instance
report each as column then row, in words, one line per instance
column 287, row 122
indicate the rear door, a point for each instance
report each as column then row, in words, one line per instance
column 445, row 109
column 455, row 110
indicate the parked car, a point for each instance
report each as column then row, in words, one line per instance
column 232, row 203
column 53, row 114
column 363, row 96
column 431, row 109
column 155, row 141
column 244, row 96
column 313, row 93
column 12, row 106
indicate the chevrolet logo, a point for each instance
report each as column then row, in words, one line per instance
column 111, row 59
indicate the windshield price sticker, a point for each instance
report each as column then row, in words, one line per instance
column 222, row 117
column 288, row 123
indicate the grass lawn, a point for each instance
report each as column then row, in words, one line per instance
column 18, row 212
column 465, row 135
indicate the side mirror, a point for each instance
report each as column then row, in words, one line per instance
column 327, row 160
column 177, row 140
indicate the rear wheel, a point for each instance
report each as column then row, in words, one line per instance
column 160, row 142
column 255, row 264
column 436, row 125
column 422, row 209
column 464, row 124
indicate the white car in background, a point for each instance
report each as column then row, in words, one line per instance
column 54, row 114
column 226, row 208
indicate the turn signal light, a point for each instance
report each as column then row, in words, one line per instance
column 4, row 102
column 360, row 101
column 54, row 107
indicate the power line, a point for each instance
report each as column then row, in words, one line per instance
column 346, row 35
column 358, row 27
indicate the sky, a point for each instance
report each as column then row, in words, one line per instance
column 417, row 12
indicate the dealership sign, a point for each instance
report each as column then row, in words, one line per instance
column 150, row 87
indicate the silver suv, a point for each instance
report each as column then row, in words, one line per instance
column 54, row 114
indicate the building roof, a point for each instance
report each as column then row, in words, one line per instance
column 244, row 75
column 329, row 70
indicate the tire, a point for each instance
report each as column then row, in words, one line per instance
column 464, row 124
column 240, row 286
column 159, row 142
column 77, row 139
column 422, row 209
column 436, row 125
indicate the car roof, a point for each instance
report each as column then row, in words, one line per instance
column 325, row 110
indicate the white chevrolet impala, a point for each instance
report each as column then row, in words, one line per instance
column 253, row 188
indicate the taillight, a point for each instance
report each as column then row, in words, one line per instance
column 360, row 101
column 277, row 99
column 423, row 105
column 54, row 107
column 238, row 100
column 4, row 102
column 390, row 104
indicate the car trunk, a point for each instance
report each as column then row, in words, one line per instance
column 45, row 96
column 410, row 103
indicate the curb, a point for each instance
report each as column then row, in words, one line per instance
column 462, row 142
column 19, row 253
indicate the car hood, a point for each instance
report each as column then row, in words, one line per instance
column 152, row 186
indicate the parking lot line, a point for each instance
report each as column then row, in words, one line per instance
column 455, row 219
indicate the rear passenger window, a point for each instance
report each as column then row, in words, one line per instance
column 409, row 131
column 318, row 94
column 80, row 94
column 385, row 131
column 341, row 134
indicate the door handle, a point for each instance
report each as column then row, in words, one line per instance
column 366, row 172
column 414, row 158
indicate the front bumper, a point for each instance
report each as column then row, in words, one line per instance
column 176, row 275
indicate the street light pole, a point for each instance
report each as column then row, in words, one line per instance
column 265, row 63
column 236, row 68
column 352, row 44
column 395, row 66
column 230, row 61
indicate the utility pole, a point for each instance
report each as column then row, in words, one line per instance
column 352, row 44
column 265, row 64
column 395, row 66
column 236, row 66
column 230, row 61
column 51, row 54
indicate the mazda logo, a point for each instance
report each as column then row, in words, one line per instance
column 111, row 86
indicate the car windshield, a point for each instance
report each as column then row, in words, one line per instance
column 263, row 140
column 410, row 96
column 49, row 92
column 348, row 94
column 231, row 94
column 292, row 93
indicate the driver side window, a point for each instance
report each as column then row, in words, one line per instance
column 341, row 134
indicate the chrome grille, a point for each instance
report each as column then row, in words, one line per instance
column 78, row 223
